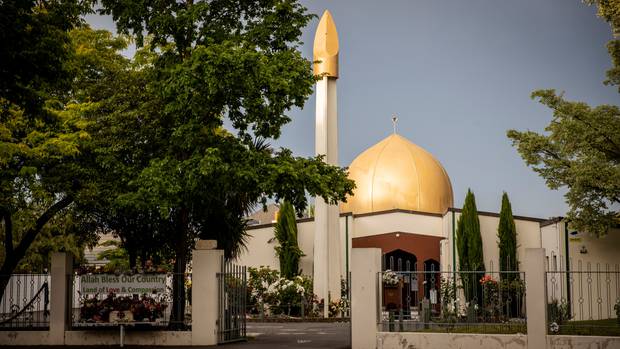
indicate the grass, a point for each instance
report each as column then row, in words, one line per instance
column 606, row 327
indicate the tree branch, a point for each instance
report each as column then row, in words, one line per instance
column 20, row 251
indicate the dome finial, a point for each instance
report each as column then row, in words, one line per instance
column 394, row 121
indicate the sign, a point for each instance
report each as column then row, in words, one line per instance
column 433, row 296
column 110, row 283
column 574, row 239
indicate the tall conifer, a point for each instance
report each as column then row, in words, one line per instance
column 288, row 251
column 469, row 245
column 507, row 234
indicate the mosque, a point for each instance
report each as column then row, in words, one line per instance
column 403, row 204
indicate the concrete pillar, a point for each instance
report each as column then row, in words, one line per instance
column 61, row 289
column 206, row 263
column 535, row 297
column 365, row 296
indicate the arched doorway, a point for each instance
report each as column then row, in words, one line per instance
column 405, row 265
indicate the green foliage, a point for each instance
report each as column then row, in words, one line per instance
column 35, row 50
column 507, row 234
column 117, row 257
column 580, row 149
column 469, row 246
column 288, row 251
column 41, row 133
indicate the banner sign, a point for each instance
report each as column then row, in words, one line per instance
column 110, row 283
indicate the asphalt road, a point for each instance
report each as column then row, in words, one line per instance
column 308, row 335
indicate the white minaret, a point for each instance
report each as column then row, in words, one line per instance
column 326, row 217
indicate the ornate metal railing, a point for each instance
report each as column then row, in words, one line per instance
column 584, row 300
column 232, row 296
column 25, row 303
column 447, row 301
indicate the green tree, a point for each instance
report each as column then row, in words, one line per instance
column 288, row 251
column 580, row 149
column 469, row 246
column 507, row 234
column 213, row 61
column 508, row 263
column 40, row 128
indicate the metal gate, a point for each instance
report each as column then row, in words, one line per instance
column 232, row 293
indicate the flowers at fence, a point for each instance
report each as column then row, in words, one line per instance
column 272, row 294
column 141, row 307
column 338, row 307
column 490, row 298
column 390, row 278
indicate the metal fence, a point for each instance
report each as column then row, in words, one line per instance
column 25, row 303
column 446, row 301
column 584, row 300
column 146, row 310
column 232, row 296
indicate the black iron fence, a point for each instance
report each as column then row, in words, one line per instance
column 584, row 300
column 232, row 296
column 25, row 303
column 154, row 304
column 447, row 301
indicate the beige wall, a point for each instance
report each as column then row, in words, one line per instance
column 398, row 221
column 261, row 252
column 602, row 251
column 528, row 236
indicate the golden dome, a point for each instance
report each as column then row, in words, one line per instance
column 397, row 174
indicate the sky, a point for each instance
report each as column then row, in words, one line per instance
column 458, row 74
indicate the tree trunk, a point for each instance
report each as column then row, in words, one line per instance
column 177, row 316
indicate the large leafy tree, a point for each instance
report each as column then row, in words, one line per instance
column 288, row 251
column 580, row 149
column 40, row 127
column 469, row 248
column 214, row 61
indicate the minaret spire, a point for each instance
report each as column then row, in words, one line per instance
column 327, row 253
column 394, row 121
column 326, row 47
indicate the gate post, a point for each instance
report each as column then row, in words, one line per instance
column 365, row 293
column 61, row 296
column 535, row 297
column 206, row 262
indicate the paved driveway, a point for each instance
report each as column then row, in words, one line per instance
column 308, row 335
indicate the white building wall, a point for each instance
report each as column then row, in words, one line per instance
column 374, row 224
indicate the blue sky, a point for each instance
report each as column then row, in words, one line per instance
column 458, row 73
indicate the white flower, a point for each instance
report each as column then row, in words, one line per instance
column 300, row 289
column 554, row 327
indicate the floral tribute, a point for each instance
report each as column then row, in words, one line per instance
column 390, row 278
column 142, row 308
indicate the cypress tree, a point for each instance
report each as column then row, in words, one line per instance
column 507, row 234
column 288, row 251
column 469, row 245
